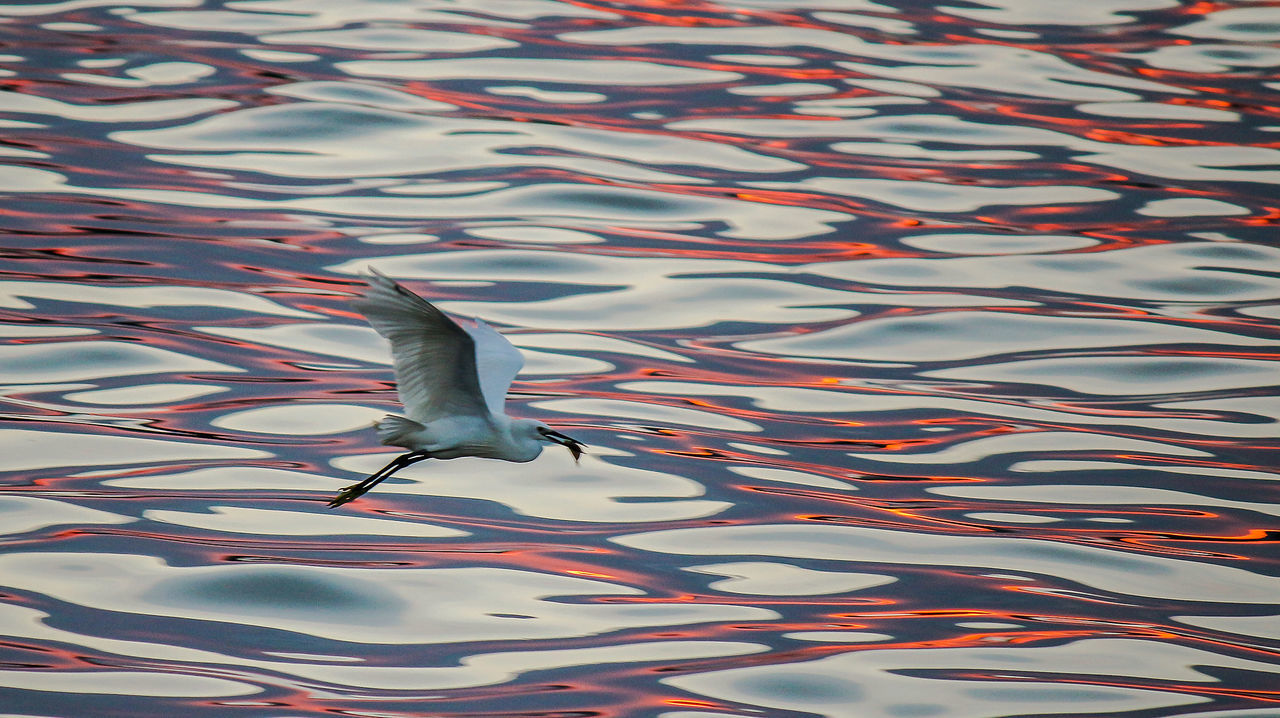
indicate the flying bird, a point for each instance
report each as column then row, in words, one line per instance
column 452, row 379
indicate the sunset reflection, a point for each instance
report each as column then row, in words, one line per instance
column 925, row 353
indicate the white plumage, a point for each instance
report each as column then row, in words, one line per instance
column 452, row 379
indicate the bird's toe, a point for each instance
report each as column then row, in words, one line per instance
column 346, row 495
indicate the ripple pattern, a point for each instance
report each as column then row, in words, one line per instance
column 926, row 353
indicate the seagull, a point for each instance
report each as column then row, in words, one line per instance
column 452, row 379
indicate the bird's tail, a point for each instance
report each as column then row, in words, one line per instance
column 396, row 430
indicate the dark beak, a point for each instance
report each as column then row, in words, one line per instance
column 575, row 447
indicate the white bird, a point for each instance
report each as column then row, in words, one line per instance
column 452, row 379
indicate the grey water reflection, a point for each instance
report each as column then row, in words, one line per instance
column 925, row 353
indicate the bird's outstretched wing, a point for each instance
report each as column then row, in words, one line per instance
column 435, row 358
column 497, row 363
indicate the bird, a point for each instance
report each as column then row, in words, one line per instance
column 452, row 378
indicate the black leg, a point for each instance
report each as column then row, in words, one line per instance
column 355, row 491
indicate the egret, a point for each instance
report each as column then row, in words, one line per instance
column 452, row 379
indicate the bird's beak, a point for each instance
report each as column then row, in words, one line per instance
column 575, row 447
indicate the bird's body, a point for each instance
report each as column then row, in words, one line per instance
column 452, row 379
column 456, row 436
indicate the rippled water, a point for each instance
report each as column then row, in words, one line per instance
column 926, row 354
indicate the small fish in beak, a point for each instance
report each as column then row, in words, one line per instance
column 575, row 447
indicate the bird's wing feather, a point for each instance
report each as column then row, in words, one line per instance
column 497, row 363
column 435, row 359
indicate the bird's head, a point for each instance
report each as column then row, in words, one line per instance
column 551, row 436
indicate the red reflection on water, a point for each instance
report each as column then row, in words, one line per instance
column 105, row 241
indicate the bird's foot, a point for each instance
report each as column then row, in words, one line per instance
column 348, row 494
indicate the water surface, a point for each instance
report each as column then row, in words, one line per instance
column 926, row 354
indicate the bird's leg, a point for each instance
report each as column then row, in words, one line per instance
column 355, row 491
